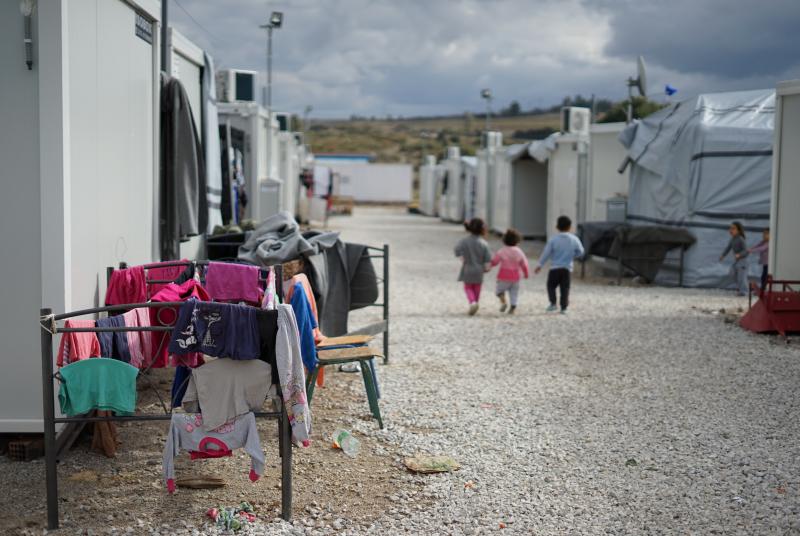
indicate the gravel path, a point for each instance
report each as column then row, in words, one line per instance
column 636, row 413
column 640, row 412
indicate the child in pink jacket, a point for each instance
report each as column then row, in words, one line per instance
column 513, row 264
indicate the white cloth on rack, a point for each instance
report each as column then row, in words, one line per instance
column 227, row 388
column 292, row 375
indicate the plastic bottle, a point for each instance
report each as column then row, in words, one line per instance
column 344, row 440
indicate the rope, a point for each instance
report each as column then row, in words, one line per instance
column 48, row 323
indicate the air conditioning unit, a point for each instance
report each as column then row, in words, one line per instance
column 491, row 140
column 235, row 85
column 575, row 120
column 430, row 160
column 453, row 153
column 284, row 121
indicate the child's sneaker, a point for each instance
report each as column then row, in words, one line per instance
column 551, row 308
column 563, row 311
column 512, row 309
column 473, row 308
column 503, row 307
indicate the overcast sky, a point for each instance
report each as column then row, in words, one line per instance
column 423, row 57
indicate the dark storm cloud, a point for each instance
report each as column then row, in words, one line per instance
column 728, row 38
column 412, row 57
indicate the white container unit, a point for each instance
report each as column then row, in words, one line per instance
column 484, row 176
column 469, row 171
column 784, row 254
column 290, row 153
column 565, row 165
column 81, row 167
column 262, row 184
column 452, row 205
column 605, row 182
column 428, row 185
column 519, row 192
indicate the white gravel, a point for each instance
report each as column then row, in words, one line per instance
column 637, row 413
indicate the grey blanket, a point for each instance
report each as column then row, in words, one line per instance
column 278, row 240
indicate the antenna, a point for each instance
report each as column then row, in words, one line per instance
column 640, row 83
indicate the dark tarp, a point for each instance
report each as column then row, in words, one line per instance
column 643, row 248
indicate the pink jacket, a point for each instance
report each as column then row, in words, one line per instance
column 512, row 263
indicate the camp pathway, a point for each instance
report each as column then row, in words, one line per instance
column 639, row 412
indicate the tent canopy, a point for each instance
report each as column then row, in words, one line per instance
column 699, row 164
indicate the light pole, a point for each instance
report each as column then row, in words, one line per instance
column 486, row 94
column 275, row 22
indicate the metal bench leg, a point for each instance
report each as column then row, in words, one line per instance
column 286, row 467
column 372, row 395
column 311, row 382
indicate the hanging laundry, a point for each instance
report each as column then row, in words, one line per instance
column 184, row 202
column 176, row 274
column 166, row 316
column 113, row 343
column 179, row 384
column 305, row 325
column 270, row 299
column 187, row 432
column 291, row 376
column 233, row 282
column 140, row 343
column 267, row 333
column 289, row 287
column 224, row 389
column 77, row 345
column 127, row 285
column 100, row 383
column 216, row 329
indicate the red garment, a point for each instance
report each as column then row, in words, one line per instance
column 512, row 261
column 166, row 316
column 162, row 274
column 127, row 285
column 80, row 345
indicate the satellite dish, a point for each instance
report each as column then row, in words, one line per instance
column 640, row 82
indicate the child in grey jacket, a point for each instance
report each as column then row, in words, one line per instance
column 738, row 246
column 475, row 258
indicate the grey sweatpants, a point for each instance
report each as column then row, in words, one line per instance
column 512, row 287
column 739, row 275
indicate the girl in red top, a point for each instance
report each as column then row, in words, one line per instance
column 513, row 264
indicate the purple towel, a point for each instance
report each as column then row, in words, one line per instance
column 232, row 282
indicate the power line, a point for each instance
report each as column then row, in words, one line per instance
column 211, row 36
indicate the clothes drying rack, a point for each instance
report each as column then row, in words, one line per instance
column 49, row 327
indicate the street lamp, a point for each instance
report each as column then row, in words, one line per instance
column 486, row 94
column 275, row 22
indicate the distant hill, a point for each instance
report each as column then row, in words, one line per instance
column 408, row 140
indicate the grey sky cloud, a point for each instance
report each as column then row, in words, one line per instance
column 414, row 57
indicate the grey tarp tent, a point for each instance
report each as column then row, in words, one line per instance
column 699, row 164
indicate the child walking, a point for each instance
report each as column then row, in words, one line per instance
column 513, row 263
column 762, row 248
column 560, row 251
column 738, row 246
column 475, row 258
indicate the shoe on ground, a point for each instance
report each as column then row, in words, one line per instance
column 503, row 307
column 473, row 308
column 551, row 309
column 350, row 367
column 512, row 309
column 563, row 311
